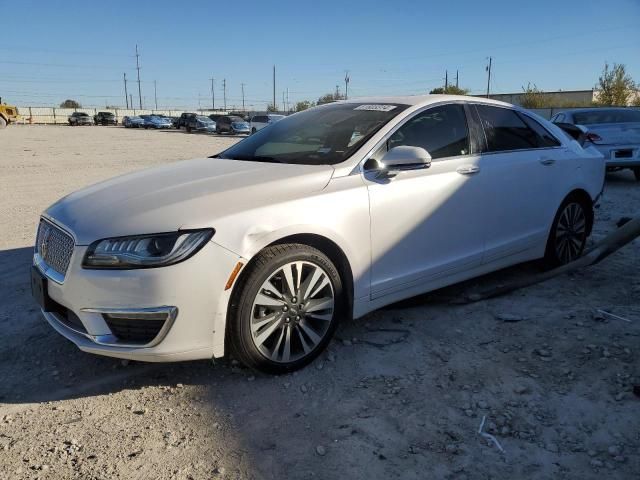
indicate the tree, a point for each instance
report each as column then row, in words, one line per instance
column 615, row 86
column 70, row 104
column 533, row 97
column 330, row 97
column 272, row 108
column 300, row 106
column 450, row 90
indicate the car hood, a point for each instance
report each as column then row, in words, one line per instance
column 616, row 133
column 187, row 194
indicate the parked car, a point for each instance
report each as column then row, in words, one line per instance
column 258, row 122
column 105, row 118
column 153, row 121
column 266, row 246
column 200, row 123
column 614, row 132
column 215, row 116
column 182, row 119
column 79, row 118
column 232, row 124
column 133, row 122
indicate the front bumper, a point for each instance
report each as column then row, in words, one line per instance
column 194, row 291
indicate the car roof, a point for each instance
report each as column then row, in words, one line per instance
column 424, row 100
column 597, row 109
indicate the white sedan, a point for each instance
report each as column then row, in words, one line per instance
column 326, row 215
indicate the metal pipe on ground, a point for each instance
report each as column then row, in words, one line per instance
column 608, row 245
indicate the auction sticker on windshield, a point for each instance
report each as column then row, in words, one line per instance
column 376, row 108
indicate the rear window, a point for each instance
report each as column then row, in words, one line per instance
column 546, row 138
column 258, row 119
column 236, row 119
column 606, row 116
column 505, row 130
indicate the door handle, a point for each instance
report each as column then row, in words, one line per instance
column 547, row 161
column 468, row 169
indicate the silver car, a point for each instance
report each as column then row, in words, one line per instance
column 614, row 132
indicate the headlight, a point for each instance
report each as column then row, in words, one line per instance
column 146, row 251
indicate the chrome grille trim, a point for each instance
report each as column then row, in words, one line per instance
column 53, row 250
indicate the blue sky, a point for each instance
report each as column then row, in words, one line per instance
column 52, row 50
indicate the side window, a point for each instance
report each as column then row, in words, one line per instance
column 442, row 131
column 559, row 118
column 546, row 139
column 505, row 130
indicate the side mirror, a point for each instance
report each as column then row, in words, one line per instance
column 400, row 158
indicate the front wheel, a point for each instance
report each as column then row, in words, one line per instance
column 3, row 122
column 285, row 309
column 568, row 234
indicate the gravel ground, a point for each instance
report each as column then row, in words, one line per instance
column 400, row 393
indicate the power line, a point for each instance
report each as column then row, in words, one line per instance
column 489, row 76
column 213, row 95
column 224, row 92
column 138, row 68
column 126, row 96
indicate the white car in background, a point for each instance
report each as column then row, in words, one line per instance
column 265, row 247
column 258, row 122
column 614, row 132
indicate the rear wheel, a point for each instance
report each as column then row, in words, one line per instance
column 3, row 122
column 286, row 309
column 569, row 232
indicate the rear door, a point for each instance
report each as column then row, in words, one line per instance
column 527, row 171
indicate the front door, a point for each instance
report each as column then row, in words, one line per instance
column 427, row 224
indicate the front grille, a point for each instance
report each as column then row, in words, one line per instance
column 54, row 246
column 131, row 330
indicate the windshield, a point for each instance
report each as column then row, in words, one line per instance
column 323, row 135
column 606, row 116
column 236, row 120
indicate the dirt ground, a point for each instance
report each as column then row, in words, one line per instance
column 400, row 393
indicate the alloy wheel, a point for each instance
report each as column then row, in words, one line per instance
column 570, row 232
column 292, row 311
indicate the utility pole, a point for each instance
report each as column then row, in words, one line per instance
column 213, row 95
column 446, row 80
column 131, row 100
column 224, row 92
column 274, row 87
column 138, row 68
column 242, row 86
column 347, row 79
column 456, row 78
column 284, row 108
column 126, row 95
column 489, row 76
column 287, row 100
column 155, row 93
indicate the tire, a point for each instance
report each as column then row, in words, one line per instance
column 569, row 232
column 3, row 123
column 636, row 172
column 188, row 129
column 263, row 346
column 253, row 130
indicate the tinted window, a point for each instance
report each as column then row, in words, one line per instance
column 259, row 119
column 545, row 138
column 441, row 131
column 606, row 116
column 505, row 130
